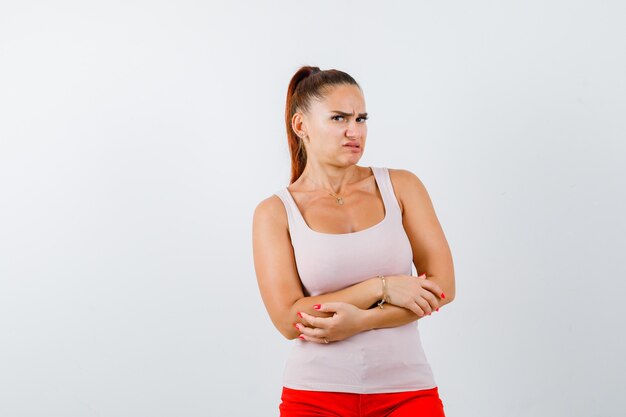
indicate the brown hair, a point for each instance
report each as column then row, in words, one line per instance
column 307, row 83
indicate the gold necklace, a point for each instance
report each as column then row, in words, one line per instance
column 337, row 197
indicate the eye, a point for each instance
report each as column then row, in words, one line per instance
column 363, row 119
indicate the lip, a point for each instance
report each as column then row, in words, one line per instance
column 354, row 149
column 352, row 145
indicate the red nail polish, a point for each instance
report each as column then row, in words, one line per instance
column 317, row 306
column 301, row 337
column 437, row 310
column 443, row 295
column 296, row 325
column 300, row 314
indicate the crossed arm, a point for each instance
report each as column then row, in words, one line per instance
column 281, row 288
column 334, row 320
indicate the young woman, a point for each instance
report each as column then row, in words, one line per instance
column 333, row 255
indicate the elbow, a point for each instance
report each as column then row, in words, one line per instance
column 285, row 319
column 287, row 328
column 450, row 291
column 446, row 301
column 291, row 335
column 450, row 296
column 288, row 333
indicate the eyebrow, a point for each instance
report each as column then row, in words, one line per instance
column 348, row 114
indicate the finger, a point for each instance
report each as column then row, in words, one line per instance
column 301, row 315
column 315, row 321
column 432, row 300
column 433, row 287
column 306, row 317
column 424, row 305
column 314, row 339
column 414, row 307
column 329, row 307
column 313, row 331
column 301, row 327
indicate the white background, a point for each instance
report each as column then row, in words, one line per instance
column 137, row 137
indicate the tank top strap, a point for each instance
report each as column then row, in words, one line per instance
column 294, row 218
column 386, row 190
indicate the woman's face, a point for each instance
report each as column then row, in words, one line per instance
column 336, row 126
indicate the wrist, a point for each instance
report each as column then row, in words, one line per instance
column 384, row 291
column 365, row 321
column 377, row 289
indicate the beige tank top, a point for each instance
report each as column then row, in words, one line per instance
column 374, row 361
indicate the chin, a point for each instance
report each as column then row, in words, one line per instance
column 354, row 160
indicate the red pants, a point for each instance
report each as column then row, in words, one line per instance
column 304, row 403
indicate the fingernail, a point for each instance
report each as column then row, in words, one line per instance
column 317, row 306
column 443, row 295
column 296, row 326
column 301, row 337
column 423, row 275
column 300, row 315
column 437, row 310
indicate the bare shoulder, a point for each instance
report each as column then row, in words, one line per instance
column 409, row 189
column 270, row 212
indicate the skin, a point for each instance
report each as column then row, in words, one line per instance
column 333, row 167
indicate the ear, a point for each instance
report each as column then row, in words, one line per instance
column 298, row 124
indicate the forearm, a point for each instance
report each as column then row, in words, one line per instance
column 392, row 316
column 388, row 316
column 362, row 295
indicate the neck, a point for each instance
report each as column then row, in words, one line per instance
column 332, row 179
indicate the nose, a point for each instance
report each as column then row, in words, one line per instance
column 353, row 129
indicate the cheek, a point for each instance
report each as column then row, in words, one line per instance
column 325, row 130
column 332, row 129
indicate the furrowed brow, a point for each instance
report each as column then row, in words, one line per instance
column 348, row 114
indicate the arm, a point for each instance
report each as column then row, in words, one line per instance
column 431, row 251
column 389, row 316
column 348, row 320
column 277, row 276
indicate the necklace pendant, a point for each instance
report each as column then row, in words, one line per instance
column 340, row 200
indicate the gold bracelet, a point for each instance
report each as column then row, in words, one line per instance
column 385, row 296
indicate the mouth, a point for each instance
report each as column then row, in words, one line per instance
column 352, row 145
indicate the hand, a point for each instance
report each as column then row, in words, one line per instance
column 417, row 294
column 346, row 321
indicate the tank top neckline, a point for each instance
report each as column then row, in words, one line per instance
column 373, row 227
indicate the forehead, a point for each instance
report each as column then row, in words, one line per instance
column 342, row 97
